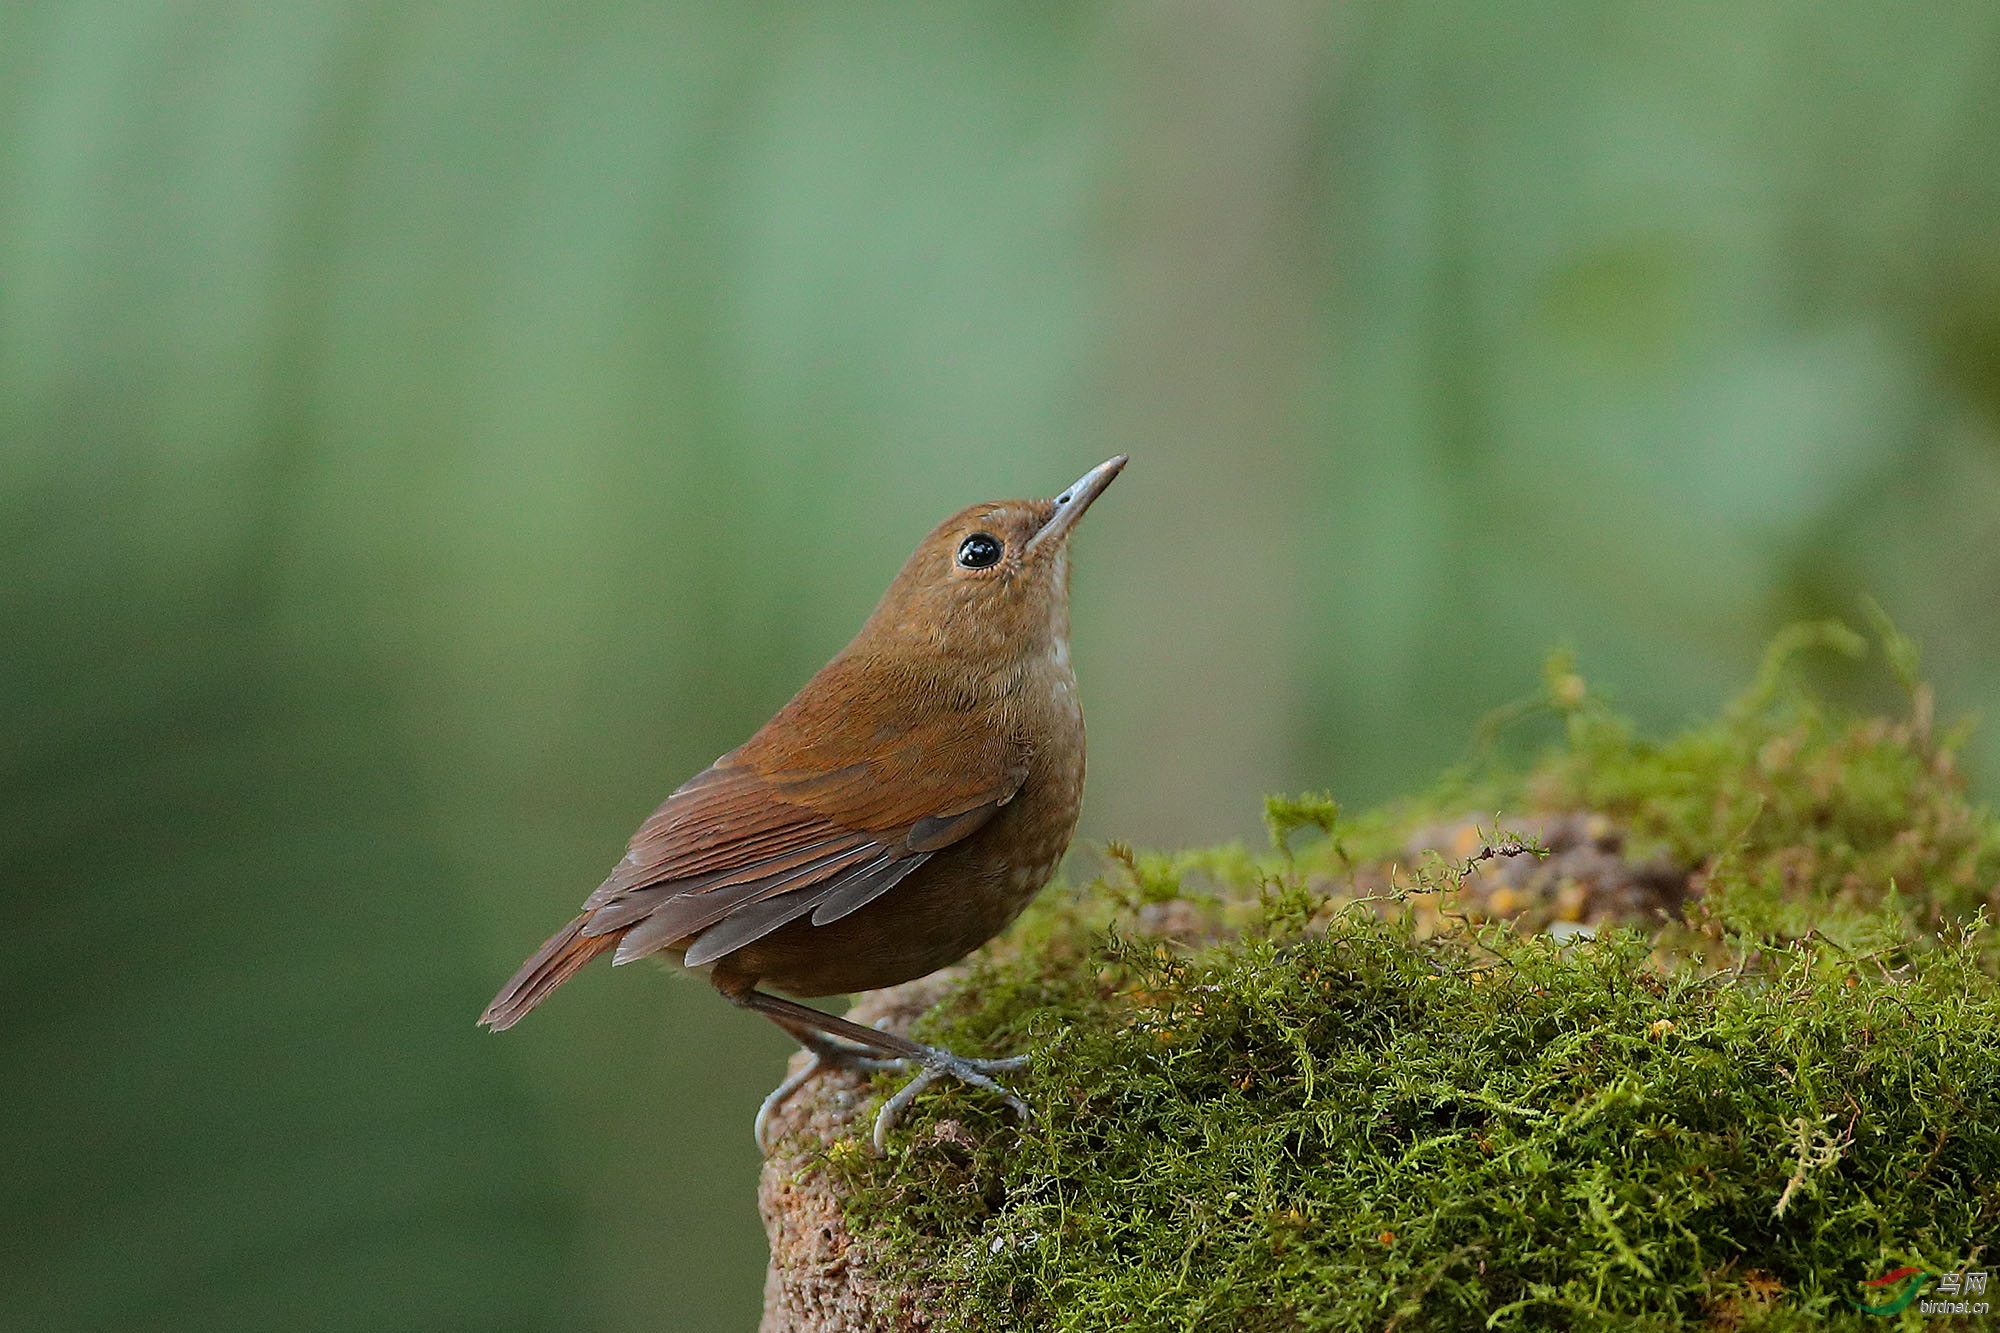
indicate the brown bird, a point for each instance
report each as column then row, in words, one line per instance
column 897, row 814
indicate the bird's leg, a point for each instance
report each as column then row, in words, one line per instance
column 839, row 1041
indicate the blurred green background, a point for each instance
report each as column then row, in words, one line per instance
column 429, row 432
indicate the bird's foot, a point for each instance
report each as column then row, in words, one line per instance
column 931, row 1065
column 937, row 1064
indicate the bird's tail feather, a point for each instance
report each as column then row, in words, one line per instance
column 554, row 963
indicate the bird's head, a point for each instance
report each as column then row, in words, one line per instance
column 991, row 581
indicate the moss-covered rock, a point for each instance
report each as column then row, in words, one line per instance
column 1360, row 1083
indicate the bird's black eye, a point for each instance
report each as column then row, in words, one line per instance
column 979, row 551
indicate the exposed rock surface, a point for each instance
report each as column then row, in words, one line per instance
column 1585, row 880
column 819, row 1280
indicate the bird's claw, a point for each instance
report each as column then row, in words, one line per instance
column 941, row 1064
column 793, row 1081
column 931, row 1066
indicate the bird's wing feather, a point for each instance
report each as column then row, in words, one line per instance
column 770, row 832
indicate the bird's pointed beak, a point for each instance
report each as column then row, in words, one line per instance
column 1072, row 502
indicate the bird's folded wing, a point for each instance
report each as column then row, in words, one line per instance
column 761, row 839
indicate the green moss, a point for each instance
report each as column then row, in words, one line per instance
column 1322, row 1119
